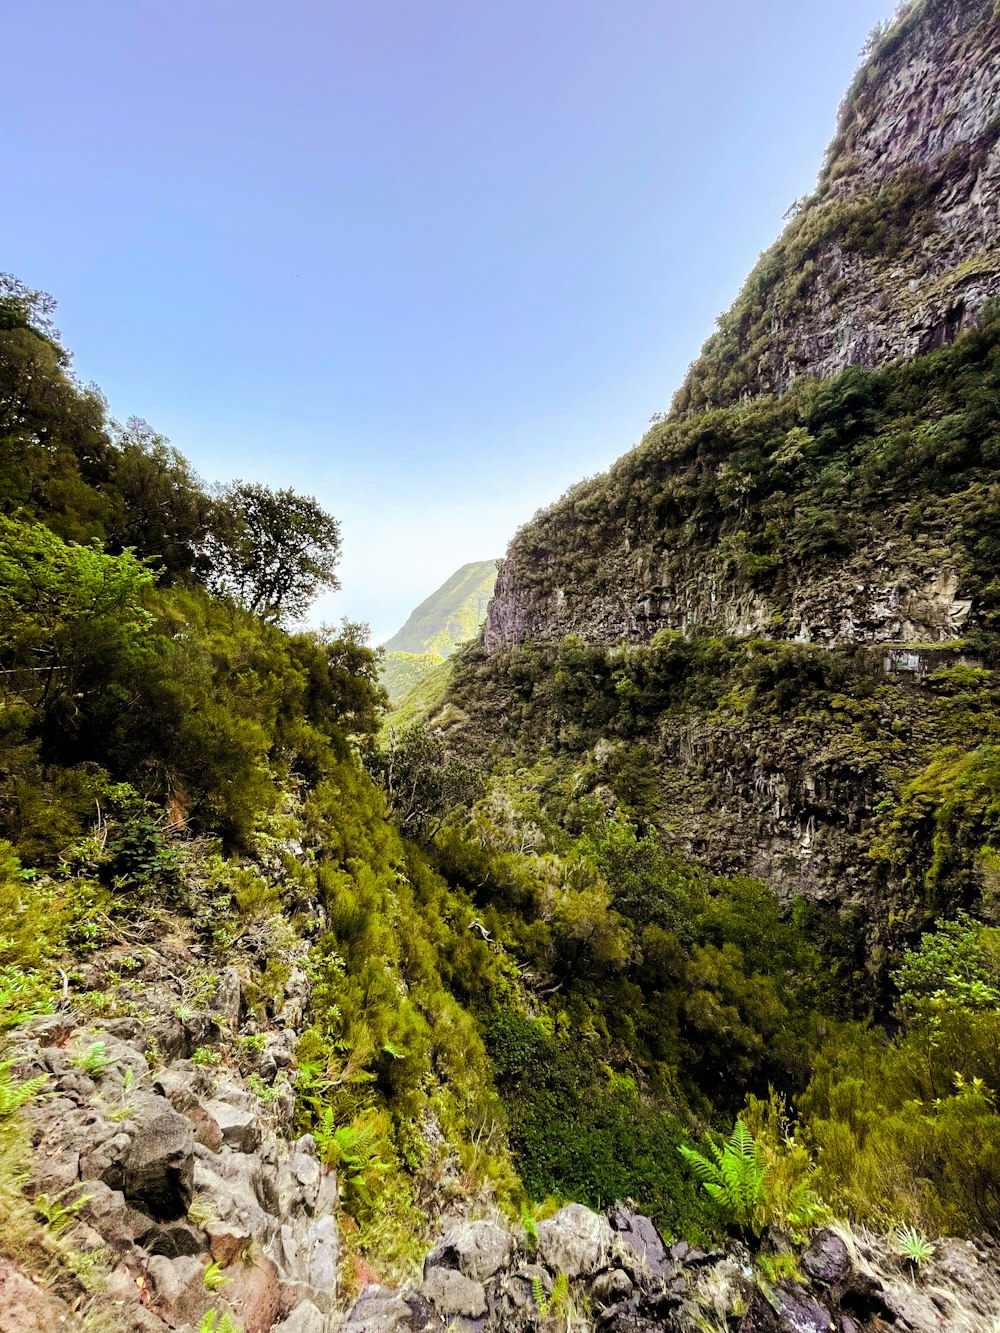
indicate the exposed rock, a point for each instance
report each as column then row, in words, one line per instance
column 638, row 1236
column 26, row 1307
column 378, row 1310
column 239, row 1128
column 305, row 1318
column 575, row 1241
column 452, row 1293
column 826, row 1258
column 477, row 1249
column 159, row 1163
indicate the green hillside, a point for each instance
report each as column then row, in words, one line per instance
column 451, row 615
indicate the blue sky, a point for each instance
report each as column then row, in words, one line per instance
column 432, row 261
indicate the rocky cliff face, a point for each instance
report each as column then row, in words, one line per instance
column 896, row 252
column 615, row 1274
column 895, row 255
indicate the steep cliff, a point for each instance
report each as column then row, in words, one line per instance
column 896, row 251
column 772, row 500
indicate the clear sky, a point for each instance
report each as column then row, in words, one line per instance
column 432, row 261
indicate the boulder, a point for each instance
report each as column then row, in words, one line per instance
column 378, row 1310
column 305, row 1318
column 158, row 1166
column 826, row 1259
column 610, row 1288
column 178, row 1285
column 576, row 1241
column 452, row 1294
column 640, row 1238
column 476, row 1249
column 240, row 1128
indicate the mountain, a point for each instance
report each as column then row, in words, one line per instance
column 750, row 509
column 450, row 615
column 772, row 626
column 447, row 618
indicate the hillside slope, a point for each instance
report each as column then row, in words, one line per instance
column 451, row 615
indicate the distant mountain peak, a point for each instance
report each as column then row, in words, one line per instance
column 452, row 613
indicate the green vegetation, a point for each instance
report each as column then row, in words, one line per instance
column 449, row 616
column 402, row 672
column 411, row 671
column 520, row 978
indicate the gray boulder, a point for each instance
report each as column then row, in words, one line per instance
column 575, row 1242
column 158, row 1166
column 476, row 1249
column 637, row 1235
column 305, row 1318
column 378, row 1310
column 452, row 1294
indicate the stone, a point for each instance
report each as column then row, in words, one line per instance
column 477, row 1249
column 575, row 1242
column 826, row 1259
column 798, row 1312
column 26, row 1307
column 227, row 1001
column 305, row 1318
column 227, row 1241
column 452, row 1293
column 611, row 1287
column 255, row 1294
column 158, row 1166
column 178, row 1287
column 173, row 1239
column 639, row 1236
column 240, row 1128
column 378, row 1310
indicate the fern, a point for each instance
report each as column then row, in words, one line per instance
column 213, row 1322
column 559, row 1303
column 541, row 1300
column 733, row 1177
column 14, row 1095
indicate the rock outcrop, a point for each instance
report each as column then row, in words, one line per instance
column 181, row 1189
column 591, row 1274
column 896, row 252
column 895, row 255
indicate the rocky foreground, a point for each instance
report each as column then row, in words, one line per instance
column 614, row 1274
column 176, row 1194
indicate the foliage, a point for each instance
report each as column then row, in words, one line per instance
column 273, row 551
column 214, row 1278
column 214, row 1322
column 421, row 783
column 733, row 1177
column 907, row 1127
column 15, row 1094
column 912, row 1245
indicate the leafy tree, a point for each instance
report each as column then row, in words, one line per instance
column 159, row 507
column 64, row 609
column 420, row 781
column 271, row 550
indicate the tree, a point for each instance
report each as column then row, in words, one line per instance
column 159, row 507
column 273, row 551
column 66, row 610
